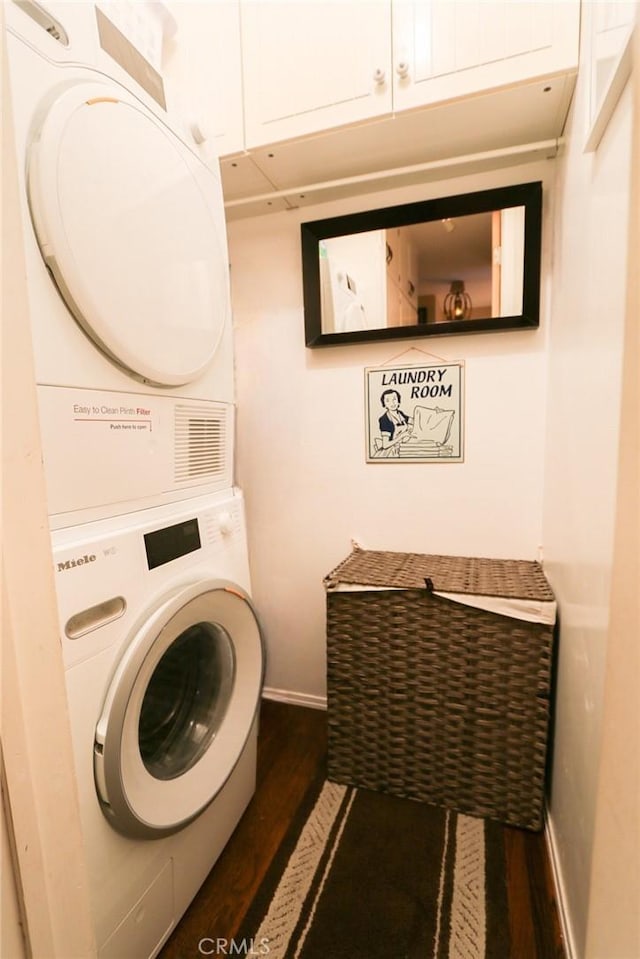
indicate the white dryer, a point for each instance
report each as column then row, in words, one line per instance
column 164, row 665
column 127, row 270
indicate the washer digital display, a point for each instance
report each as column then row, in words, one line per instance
column 164, row 545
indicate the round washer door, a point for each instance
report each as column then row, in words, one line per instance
column 131, row 225
column 179, row 710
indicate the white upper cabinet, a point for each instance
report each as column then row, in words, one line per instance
column 444, row 49
column 224, row 56
column 609, row 32
column 206, row 67
column 309, row 65
column 313, row 65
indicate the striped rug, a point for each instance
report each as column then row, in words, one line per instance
column 368, row 876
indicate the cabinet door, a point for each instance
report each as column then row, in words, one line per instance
column 393, row 257
column 394, row 305
column 402, row 264
column 444, row 50
column 609, row 31
column 309, row 65
column 206, row 68
column 409, row 271
column 408, row 312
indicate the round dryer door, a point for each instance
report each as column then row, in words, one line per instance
column 131, row 224
column 179, row 710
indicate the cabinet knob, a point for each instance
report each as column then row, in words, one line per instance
column 403, row 69
column 379, row 77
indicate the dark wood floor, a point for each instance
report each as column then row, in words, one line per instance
column 291, row 746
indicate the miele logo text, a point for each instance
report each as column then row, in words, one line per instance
column 78, row 561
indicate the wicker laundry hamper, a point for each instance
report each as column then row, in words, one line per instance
column 432, row 698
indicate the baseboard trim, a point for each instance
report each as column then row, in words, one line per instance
column 563, row 911
column 295, row 699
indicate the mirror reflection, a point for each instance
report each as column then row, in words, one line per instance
column 446, row 270
column 468, row 263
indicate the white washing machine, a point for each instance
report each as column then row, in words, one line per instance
column 164, row 666
column 127, row 270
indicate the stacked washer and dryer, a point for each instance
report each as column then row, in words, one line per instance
column 127, row 273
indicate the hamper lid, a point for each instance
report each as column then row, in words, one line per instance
column 510, row 578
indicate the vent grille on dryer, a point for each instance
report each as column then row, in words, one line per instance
column 201, row 443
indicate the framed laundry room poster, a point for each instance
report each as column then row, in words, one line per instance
column 415, row 414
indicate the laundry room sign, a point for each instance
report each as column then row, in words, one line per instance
column 414, row 414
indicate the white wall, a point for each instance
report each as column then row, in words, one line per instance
column 301, row 459
column 613, row 927
column 614, row 902
column 588, row 311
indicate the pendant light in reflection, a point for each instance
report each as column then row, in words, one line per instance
column 457, row 302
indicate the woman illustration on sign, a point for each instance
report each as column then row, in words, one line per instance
column 395, row 425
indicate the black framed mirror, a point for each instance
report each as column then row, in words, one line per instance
column 458, row 264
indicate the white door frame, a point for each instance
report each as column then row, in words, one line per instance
column 40, row 789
